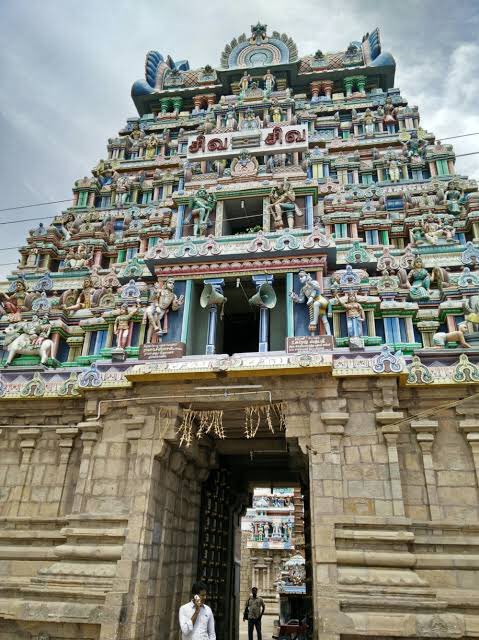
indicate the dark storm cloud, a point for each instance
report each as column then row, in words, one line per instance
column 67, row 67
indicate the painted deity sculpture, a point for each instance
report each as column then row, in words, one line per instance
column 85, row 298
column 78, row 257
column 355, row 315
column 244, row 83
column 368, row 121
column 269, row 82
column 433, row 232
column 29, row 338
column 454, row 198
column 202, row 204
column 150, row 148
column 440, row 339
column 121, row 327
column 283, row 201
column 14, row 303
column 231, row 122
column 163, row 300
column 311, row 293
column 419, row 281
column 394, row 170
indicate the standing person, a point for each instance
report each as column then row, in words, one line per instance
column 196, row 618
column 253, row 613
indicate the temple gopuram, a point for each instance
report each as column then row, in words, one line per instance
column 271, row 279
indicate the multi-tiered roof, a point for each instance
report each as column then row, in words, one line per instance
column 239, row 177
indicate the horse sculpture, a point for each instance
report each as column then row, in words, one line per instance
column 21, row 344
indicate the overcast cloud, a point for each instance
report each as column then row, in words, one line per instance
column 67, row 66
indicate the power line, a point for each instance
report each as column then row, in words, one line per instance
column 38, row 204
column 464, row 135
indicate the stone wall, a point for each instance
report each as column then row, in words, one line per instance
column 100, row 511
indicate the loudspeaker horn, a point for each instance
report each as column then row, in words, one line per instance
column 211, row 296
column 264, row 297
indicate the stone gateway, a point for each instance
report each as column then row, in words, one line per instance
column 146, row 387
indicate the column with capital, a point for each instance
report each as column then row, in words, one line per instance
column 425, row 433
column 211, row 302
column 263, row 342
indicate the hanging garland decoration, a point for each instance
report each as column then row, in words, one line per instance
column 255, row 414
column 198, row 423
column 208, row 422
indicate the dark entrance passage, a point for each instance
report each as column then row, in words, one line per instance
column 266, row 460
column 240, row 325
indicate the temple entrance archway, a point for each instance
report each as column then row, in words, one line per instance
column 201, row 493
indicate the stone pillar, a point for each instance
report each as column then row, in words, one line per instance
column 315, row 89
column 470, row 429
column 328, row 88
column 217, row 284
column 427, row 328
column 89, row 436
column 391, row 433
column 263, row 340
column 425, row 434
column 66, row 441
column 361, row 83
column 348, row 86
column 28, row 440
column 220, row 207
column 266, row 215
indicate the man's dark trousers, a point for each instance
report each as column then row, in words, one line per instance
column 252, row 623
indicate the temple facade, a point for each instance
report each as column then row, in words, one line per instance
column 270, row 279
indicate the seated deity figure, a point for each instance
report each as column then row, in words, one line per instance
column 283, row 200
column 162, row 301
column 14, row 303
column 317, row 304
column 355, row 315
column 85, row 298
column 78, row 257
column 419, row 281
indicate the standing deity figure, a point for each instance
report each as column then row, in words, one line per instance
column 276, row 114
column 390, row 116
column 122, row 184
column 354, row 314
column 163, row 300
column 283, row 200
column 14, row 303
column 414, row 145
column 368, row 120
column 394, row 170
column 151, row 145
column 202, row 204
column 231, row 122
column 121, row 328
column 310, row 293
column 419, row 281
column 269, row 82
column 244, row 83
column 454, row 200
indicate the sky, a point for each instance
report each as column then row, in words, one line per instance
column 67, row 67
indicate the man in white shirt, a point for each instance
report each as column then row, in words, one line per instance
column 196, row 618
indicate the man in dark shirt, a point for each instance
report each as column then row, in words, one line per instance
column 253, row 613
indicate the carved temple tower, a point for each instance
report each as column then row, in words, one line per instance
column 271, row 279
